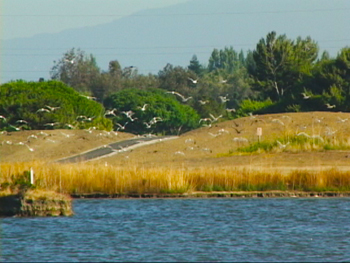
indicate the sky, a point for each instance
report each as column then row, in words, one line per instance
column 35, row 33
column 26, row 18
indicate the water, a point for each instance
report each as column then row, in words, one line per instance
column 184, row 230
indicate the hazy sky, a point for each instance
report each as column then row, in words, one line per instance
column 26, row 18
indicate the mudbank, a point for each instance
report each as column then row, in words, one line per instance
column 36, row 203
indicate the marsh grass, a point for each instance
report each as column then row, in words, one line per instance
column 85, row 179
column 293, row 144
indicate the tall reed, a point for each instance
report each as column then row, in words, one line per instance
column 85, row 178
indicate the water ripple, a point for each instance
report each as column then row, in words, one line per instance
column 184, row 230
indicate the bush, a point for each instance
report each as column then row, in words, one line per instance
column 252, row 106
column 175, row 117
column 21, row 100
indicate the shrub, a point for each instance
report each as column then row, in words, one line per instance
column 21, row 100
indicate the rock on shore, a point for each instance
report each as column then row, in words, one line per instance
column 36, row 203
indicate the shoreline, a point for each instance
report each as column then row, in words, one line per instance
column 205, row 195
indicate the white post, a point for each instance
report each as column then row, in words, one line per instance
column 259, row 133
column 31, row 176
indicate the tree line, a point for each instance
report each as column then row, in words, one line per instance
column 279, row 75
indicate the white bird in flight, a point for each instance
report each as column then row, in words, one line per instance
column 121, row 127
column 143, row 108
column 180, row 95
column 281, row 145
column 330, row 106
column 203, row 102
column 110, row 112
column 305, row 97
column 194, row 81
column 21, row 121
column 52, row 108
column 277, row 121
column 29, row 148
column 214, row 119
column 43, row 110
column 71, row 61
column 89, row 97
column 342, row 120
column 223, row 99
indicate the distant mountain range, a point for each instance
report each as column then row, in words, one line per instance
column 152, row 38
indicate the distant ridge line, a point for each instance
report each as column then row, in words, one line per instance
column 188, row 14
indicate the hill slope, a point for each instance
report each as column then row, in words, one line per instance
column 201, row 148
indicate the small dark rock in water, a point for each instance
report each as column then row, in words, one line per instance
column 36, row 203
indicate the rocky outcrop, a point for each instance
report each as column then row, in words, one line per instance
column 36, row 203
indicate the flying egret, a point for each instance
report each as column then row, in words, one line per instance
column 330, row 106
column 194, row 81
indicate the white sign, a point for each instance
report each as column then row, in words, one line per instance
column 259, row 131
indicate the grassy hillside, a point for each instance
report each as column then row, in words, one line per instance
column 208, row 146
column 206, row 159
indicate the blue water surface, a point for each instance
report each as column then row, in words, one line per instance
column 184, row 230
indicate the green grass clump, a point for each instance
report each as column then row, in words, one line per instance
column 264, row 146
column 292, row 144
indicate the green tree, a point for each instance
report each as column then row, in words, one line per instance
column 195, row 66
column 281, row 64
column 22, row 100
column 163, row 113
column 77, row 70
column 226, row 59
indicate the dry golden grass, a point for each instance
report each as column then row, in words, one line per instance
column 191, row 162
column 89, row 178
